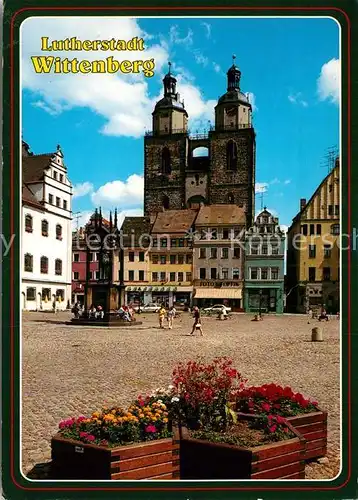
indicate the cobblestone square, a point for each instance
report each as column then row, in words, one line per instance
column 68, row 371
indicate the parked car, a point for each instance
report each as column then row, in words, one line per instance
column 217, row 308
column 148, row 308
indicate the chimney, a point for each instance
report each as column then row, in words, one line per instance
column 302, row 203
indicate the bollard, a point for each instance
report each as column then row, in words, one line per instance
column 317, row 334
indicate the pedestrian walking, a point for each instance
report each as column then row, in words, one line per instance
column 171, row 316
column 161, row 314
column 197, row 322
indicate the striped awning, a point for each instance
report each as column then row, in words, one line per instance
column 218, row 293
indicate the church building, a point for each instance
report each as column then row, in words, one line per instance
column 177, row 178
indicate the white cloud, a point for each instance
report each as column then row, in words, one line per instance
column 275, row 181
column 284, row 228
column 297, row 99
column 207, row 27
column 200, row 58
column 287, row 181
column 329, row 81
column 175, row 37
column 122, row 100
column 82, row 189
column 252, row 100
column 261, row 187
column 217, row 67
column 128, row 193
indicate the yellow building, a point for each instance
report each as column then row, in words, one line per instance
column 171, row 258
column 313, row 253
column 132, row 265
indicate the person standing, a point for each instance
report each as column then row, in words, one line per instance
column 197, row 322
column 171, row 316
column 161, row 313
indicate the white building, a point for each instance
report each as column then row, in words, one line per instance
column 46, row 239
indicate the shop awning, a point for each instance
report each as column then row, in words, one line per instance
column 218, row 293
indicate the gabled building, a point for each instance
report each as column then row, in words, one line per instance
column 171, row 258
column 218, row 256
column 46, row 241
column 313, row 253
column 135, row 260
column 264, row 265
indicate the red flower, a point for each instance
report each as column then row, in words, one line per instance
column 90, row 438
column 280, row 420
column 266, row 406
column 150, row 428
column 273, row 428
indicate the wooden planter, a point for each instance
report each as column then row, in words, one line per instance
column 150, row 460
column 201, row 459
column 313, row 427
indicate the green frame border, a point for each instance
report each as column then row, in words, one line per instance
column 15, row 486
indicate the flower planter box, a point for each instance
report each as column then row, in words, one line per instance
column 149, row 460
column 313, row 427
column 201, row 459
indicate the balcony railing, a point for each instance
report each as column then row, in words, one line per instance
column 198, row 134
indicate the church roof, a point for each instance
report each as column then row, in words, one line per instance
column 221, row 214
column 174, row 221
column 170, row 102
column 233, row 96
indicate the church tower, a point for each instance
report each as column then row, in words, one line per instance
column 165, row 152
column 232, row 148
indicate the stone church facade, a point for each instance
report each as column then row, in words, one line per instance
column 177, row 178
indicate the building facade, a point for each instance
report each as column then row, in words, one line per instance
column 313, row 255
column 135, row 260
column 171, row 258
column 46, row 242
column 218, row 256
column 264, row 265
column 79, row 255
column 177, row 177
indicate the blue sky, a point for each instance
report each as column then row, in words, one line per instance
column 290, row 67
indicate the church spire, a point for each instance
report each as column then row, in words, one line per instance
column 169, row 82
column 233, row 76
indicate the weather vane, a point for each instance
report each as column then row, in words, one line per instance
column 170, row 65
column 233, row 58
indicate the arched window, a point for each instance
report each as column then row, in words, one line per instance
column 165, row 202
column 58, row 267
column 29, row 262
column 44, row 228
column 231, row 155
column 28, row 224
column 166, row 167
column 230, row 198
column 335, row 229
column 58, row 232
column 44, row 265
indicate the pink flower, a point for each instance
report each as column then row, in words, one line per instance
column 150, row 428
column 90, row 438
column 280, row 420
column 83, row 434
column 266, row 406
column 80, row 419
column 141, row 402
column 273, row 428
